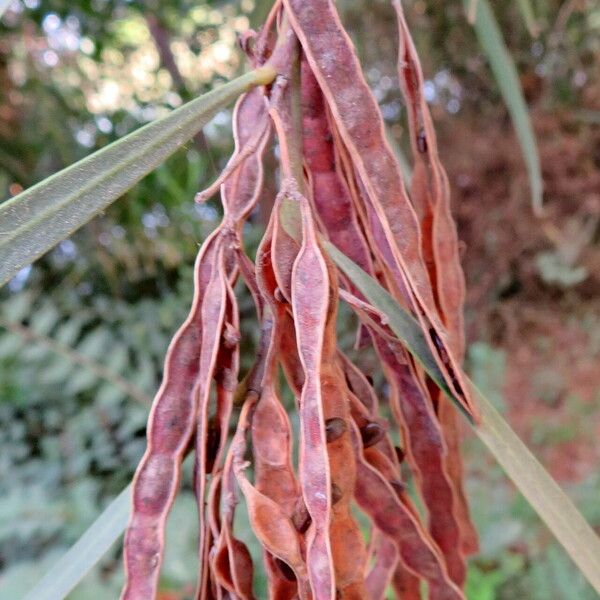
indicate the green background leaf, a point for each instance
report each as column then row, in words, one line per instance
column 504, row 70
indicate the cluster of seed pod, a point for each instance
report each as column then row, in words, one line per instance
column 339, row 181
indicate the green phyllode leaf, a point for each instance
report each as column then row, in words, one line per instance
column 530, row 477
column 504, row 70
column 37, row 219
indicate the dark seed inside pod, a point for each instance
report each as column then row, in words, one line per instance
column 371, row 433
column 336, row 493
column 212, row 445
column 301, row 519
column 334, row 428
column 285, row 569
column 399, row 454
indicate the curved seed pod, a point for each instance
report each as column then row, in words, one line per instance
column 314, row 301
column 439, row 231
column 406, row 585
column 274, row 476
column 310, row 303
column 271, row 430
column 273, row 471
column 333, row 61
column 449, row 419
column 284, row 248
column 330, row 193
column 426, row 449
column 234, row 170
column 328, row 190
column 232, row 564
column 213, row 318
column 170, row 427
column 390, row 514
column 240, row 192
column 381, row 572
column 413, row 411
column 440, row 239
column 272, row 526
column 267, row 283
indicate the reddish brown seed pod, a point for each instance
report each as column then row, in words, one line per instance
column 333, row 61
column 310, row 304
column 170, row 427
column 390, row 514
column 340, row 176
column 273, row 527
column 426, row 448
column 384, row 564
column 440, row 232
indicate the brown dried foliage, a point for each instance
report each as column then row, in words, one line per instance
column 339, row 180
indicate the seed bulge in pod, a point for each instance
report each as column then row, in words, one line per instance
column 334, row 429
column 285, row 569
column 300, row 518
column 371, row 433
column 336, row 493
column 212, row 444
column 399, row 454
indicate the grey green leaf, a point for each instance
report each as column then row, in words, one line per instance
column 37, row 219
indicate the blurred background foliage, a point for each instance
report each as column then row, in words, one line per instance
column 84, row 331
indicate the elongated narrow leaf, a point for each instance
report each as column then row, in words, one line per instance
column 490, row 38
column 534, row 482
column 36, row 220
column 87, row 551
column 529, row 17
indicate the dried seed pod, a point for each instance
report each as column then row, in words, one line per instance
column 310, row 304
column 384, row 564
column 170, row 427
column 272, row 526
column 324, row 397
column 271, row 443
column 391, row 515
column 426, row 449
column 232, row 563
column 213, row 318
column 330, row 192
column 333, row 61
column 448, row 281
